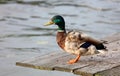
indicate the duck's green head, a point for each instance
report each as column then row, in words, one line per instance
column 57, row 20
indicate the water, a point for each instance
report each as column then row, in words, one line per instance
column 23, row 36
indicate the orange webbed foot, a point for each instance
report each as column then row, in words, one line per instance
column 74, row 60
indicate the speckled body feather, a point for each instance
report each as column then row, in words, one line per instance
column 72, row 41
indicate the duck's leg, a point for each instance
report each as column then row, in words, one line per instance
column 74, row 60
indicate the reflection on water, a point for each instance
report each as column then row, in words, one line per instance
column 22, row 34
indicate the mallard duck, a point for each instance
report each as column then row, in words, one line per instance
column 75, row 42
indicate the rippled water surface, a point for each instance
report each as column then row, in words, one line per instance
column 23, row 36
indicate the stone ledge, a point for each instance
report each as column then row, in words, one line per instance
column 93, row 65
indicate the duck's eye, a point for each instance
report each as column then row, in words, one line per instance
column 56, row 20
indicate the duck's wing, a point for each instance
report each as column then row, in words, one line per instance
column 89, row 39
column 82, row 37
column 97, row 43
column 74, row 36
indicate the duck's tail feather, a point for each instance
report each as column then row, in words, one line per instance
column 102, row 51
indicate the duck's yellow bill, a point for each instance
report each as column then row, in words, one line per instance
column 49, row 23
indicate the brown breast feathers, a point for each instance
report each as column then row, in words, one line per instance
column 61, row 39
